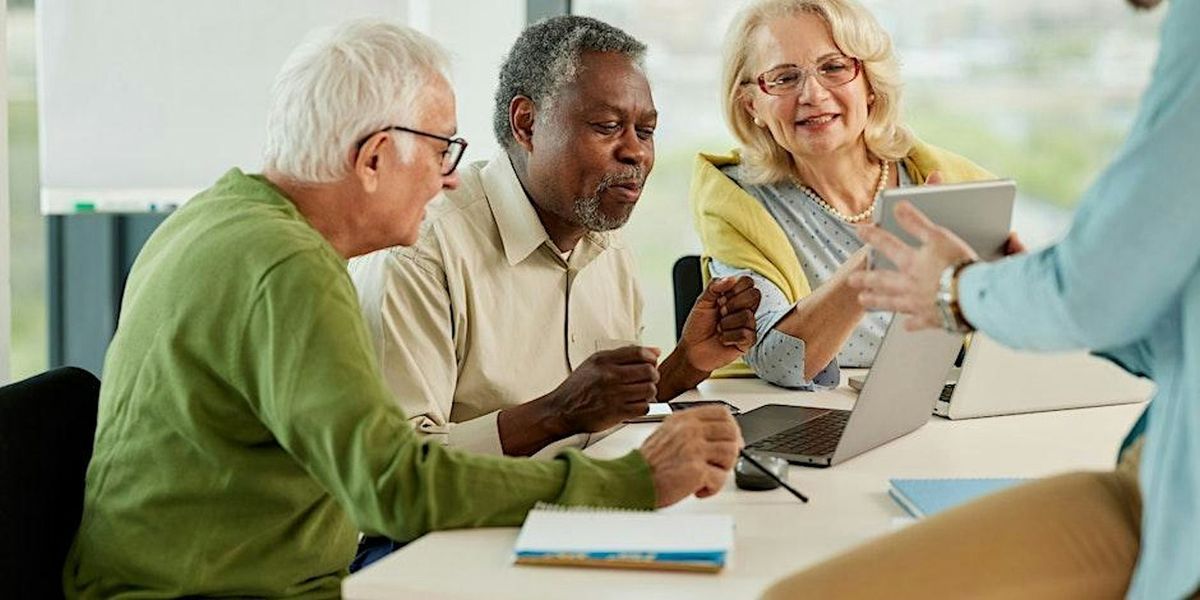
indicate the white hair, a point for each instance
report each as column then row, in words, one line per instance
column 342, row 85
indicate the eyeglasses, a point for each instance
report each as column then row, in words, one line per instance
column 455, row 147
column 790, row 79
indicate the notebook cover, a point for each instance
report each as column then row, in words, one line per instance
column 624, row 539
column 643, row 563
column 925, row 497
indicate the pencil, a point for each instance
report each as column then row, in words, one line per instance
column 787, row 487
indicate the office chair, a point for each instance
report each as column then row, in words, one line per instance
column 47, row 424
column 688, row 283
column 687, row 278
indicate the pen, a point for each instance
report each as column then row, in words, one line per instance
column 787, row 487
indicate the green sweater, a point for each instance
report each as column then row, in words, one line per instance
column 245, row 434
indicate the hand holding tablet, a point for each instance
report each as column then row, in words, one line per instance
column 926, row 231
column 979, row 214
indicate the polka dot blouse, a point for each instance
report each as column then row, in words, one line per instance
column 822, row 243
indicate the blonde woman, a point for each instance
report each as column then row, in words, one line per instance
column 812, row 93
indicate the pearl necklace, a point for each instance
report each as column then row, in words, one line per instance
column 862, row 216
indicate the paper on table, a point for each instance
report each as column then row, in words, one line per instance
column 658, row 411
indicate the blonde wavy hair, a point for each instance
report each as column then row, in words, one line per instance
column 857, row 34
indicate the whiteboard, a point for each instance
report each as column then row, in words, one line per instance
column 143, row 103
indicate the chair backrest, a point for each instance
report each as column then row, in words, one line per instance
column 47, row 424
column 688, row 283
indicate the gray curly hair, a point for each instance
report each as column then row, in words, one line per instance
column 545, row 59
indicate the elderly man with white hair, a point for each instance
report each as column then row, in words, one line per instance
column 245, row 434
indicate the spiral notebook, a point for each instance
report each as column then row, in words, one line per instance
column 926, row 497
column 591, row 537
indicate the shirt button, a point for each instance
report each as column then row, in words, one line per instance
column 572, row 338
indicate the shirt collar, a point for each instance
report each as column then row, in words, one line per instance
column 521, row 231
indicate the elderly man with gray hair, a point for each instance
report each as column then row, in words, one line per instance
column 245, row 434
column 512, row 326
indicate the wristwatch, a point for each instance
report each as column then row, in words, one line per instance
column 947, row 299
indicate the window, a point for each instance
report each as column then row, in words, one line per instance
column 1042, row 92
column 28, row 350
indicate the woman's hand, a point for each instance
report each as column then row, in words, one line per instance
column 912, row 288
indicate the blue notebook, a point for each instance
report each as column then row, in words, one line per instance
column 584, row 537
column 925, row 497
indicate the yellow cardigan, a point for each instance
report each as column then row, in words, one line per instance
column 735, row 229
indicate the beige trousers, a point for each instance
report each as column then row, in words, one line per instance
column 1071, row 536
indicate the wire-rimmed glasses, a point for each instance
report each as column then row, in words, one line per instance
column 455, row 147
column 790, row 79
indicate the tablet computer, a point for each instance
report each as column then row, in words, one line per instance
column 980, row 213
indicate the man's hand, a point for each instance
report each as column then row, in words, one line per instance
column 1014, row 245
column 692, row 453
column 609, row 387
column 720, row 327
column 912, row 287
column 857, row 262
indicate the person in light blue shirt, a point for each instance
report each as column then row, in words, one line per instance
column 1125, row 283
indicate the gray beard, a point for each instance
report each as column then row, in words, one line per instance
column 587, row 209
column 589, row 215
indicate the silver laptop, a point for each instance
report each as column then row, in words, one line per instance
column 996, row 380
column 896, row 398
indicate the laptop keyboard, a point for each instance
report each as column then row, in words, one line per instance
column 947, row 391
column 812, row 438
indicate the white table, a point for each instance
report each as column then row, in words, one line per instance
column 775, row 533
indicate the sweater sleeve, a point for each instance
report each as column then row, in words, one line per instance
column 317, row 387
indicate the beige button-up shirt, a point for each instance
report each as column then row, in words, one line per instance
column 483, row 313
